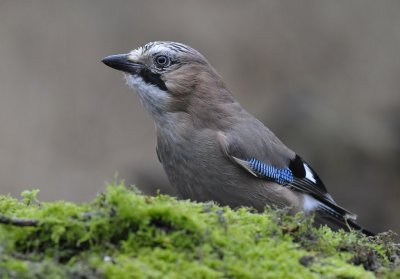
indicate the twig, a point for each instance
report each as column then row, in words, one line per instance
column 18, row 222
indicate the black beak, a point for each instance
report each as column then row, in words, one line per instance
column 122, row 63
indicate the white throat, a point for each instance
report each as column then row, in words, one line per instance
column 152, row 98
column 156, row 102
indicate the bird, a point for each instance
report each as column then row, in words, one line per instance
column 211, row 148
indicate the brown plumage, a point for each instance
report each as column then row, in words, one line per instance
column 210, row 147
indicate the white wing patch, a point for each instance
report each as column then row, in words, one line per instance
column 309, row 173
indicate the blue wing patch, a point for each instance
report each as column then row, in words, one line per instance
column 281, row 175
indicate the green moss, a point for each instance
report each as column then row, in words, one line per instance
column 123, row 234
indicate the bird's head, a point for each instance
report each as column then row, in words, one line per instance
column 167, row 76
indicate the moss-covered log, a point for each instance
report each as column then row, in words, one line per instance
column 123, row 234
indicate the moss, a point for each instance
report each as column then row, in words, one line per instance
column 123, row 234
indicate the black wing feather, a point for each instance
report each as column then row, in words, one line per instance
column 315, row 188
column 297, row 166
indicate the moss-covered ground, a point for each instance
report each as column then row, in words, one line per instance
column 123, row 234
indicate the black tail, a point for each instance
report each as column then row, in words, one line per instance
column 336, row 222
column 357, row 227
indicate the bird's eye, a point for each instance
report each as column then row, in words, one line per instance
column 162, row 60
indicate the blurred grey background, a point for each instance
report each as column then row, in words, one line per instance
column 323, row 75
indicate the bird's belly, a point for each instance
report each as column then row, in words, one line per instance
column 214, row 178
column 198, row 179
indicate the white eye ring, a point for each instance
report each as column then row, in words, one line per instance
column 162, row 60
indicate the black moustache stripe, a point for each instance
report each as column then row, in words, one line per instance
column 153, row 78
